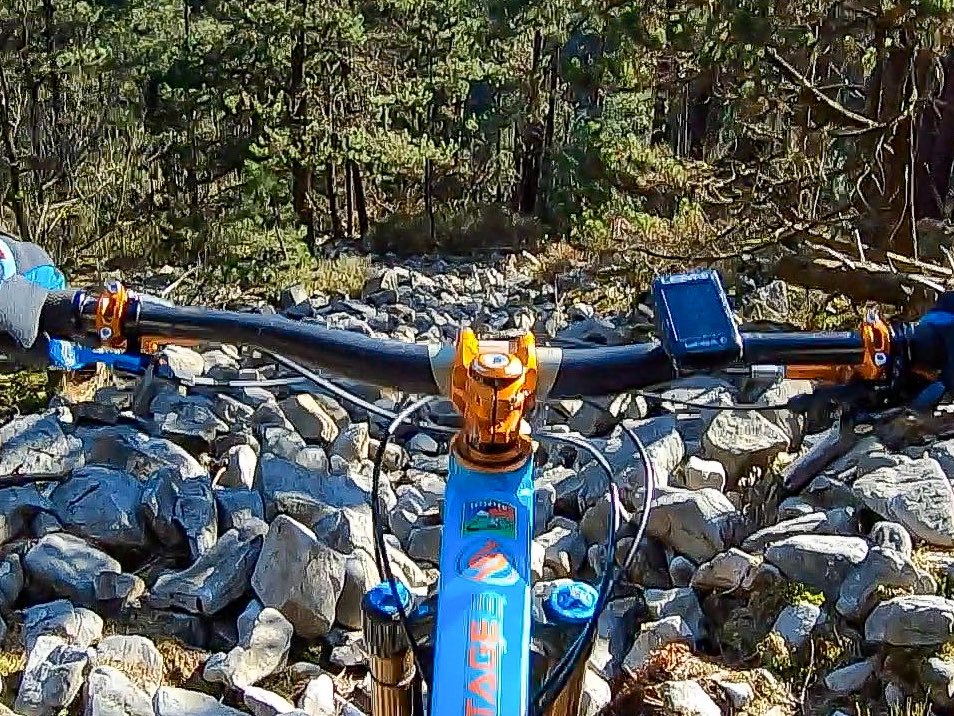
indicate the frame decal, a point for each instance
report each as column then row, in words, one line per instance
column 489, row 517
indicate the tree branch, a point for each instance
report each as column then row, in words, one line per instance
column 798, row 78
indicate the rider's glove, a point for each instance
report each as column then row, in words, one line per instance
column 27, row 275
column 932, row 344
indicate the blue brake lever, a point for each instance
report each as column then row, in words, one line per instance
column 69, row 356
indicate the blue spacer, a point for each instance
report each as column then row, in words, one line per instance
column 379, row 600
column 571, row 603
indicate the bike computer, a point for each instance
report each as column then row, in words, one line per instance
column 694, row 321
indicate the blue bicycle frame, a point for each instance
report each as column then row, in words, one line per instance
column 482, row 639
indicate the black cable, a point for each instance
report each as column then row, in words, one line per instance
column 344, row 394
column 563, row 671
column 380, row 548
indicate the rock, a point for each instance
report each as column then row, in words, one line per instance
column 135, row 656
column 163, row 624
column 687, row 698
column 11, row 580
column 664, row 448
column 237, row 508
column 883, row 567
column 695, row 523
column 681, row 571
column 893, row 696
column 282, row 442
column 912, row 620
column 102, row 504
column 725, row 571
column 299, row 576
column 171, row 701
column 596, row 415
column 794, row 507
column 290, row 489
column 701, row 473
column 18, row 506
column 110, row 693
column 262, row 702
column 893, row 536
column 850, row 679
column 564, row 548
column 938, row 676
column 67, row 566
column 310, row 418
column 348, row 649
column 346, row 529
column 795, row 624
column 44, row 524
column 124, row 588
column 188, row 416
column 566, row 484
column 40, row 447
column 318, row 698
column 394, row 457
column 425, row 543
column 791, row 424
column 738, row 693
column 352, row 444
column 360, row 575
column 314, row 459
column 127, row 449
column 181, row 511
column 653, row 635
column 216, row 579
column 742, row 440
column 916, row 494
column 74, row 625
column 819, row 561
column 823, row 523
column 240, row 464
column 422, row 443
column 595, row 694
column 612, row 641
column 52, row 678
column 594, row 526
column 681, row 602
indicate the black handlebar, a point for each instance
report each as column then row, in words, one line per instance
column 425, row 369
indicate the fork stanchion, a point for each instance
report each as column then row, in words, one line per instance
column 393, row 674
column 566, row 610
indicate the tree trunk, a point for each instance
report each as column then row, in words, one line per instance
column 301, row 173
column 887, row 200
column 360, row 206
column 15, row 193
column 935, row 150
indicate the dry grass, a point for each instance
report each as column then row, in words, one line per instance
column 556, row 260
column 640, row 694
column 345, row 274
column 183, row 664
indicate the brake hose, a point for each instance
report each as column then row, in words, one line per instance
column 564, row 669
column 380, row 548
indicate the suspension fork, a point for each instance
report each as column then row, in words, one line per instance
column 484, row 624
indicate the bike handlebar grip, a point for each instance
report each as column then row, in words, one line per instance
column 58, row 317
column 610, row 370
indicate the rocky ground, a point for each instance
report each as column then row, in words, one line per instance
column 201, row 551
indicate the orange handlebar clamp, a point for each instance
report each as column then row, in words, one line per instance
column 110, row 311
column 493, row 385
column 876, row 336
